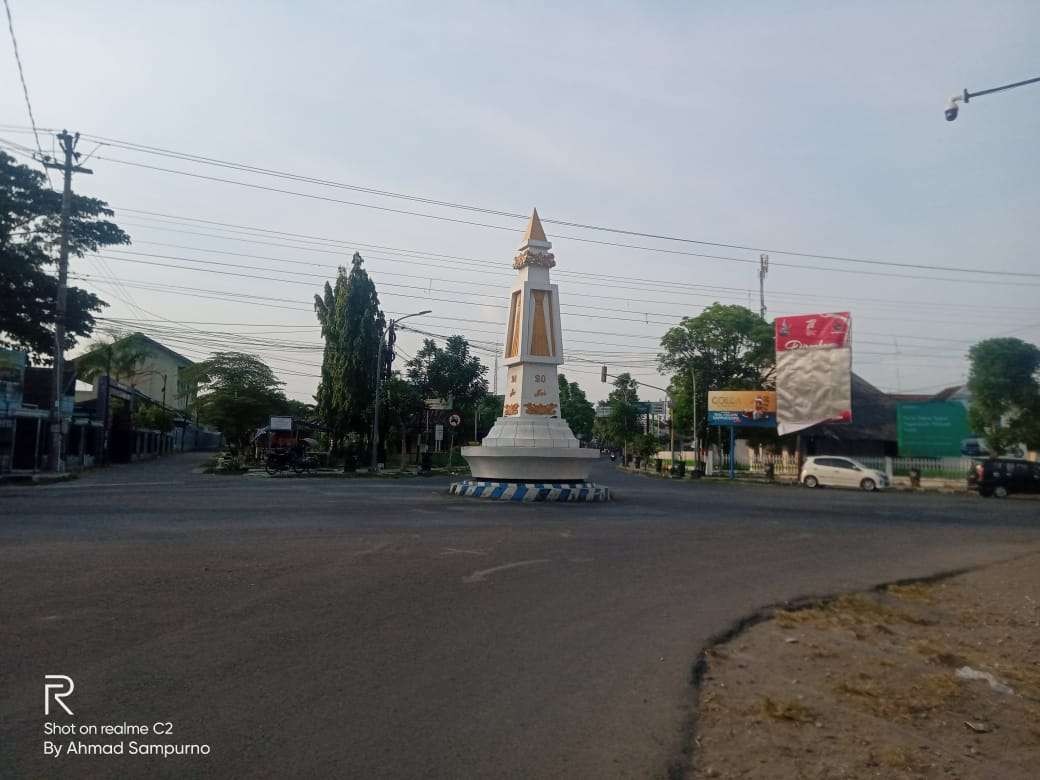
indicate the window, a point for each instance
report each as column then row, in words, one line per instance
column 844, row 464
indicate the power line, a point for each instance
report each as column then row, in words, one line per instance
column 187, row 157
column 587, row 280
column 25, row 87
column 420, row 257
column 570, row 308
column 648, row 360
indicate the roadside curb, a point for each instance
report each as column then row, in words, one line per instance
column 683, row 764
column 37, row 479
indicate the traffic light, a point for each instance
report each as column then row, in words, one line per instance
column 603, row 374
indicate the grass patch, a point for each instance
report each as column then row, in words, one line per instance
column 939, row 655
column 850, row 612
column 793, row 711
column 902, row 758
column 915, row 592
column 929, row 693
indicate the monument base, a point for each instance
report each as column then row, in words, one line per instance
column 531, row 491
column 530, row 449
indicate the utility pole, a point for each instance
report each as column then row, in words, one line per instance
column 164, row 418
column 68, row 145
column 390, row 335
column 763, row 269
column 693, row 395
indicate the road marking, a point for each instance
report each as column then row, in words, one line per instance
column 76, row 485
column 457, row 551
column 481, row 575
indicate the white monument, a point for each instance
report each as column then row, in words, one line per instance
column 530, row 442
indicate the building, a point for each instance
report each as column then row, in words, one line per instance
column 159, row 377
column 26, row 399
column 872, row 431
column 103, row 422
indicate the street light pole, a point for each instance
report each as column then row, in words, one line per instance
column 374, row 458
column 966, row 96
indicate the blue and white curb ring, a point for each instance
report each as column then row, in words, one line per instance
column 531, row 491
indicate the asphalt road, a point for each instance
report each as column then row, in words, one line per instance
column 378, row 628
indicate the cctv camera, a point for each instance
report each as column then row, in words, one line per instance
column 951, row 112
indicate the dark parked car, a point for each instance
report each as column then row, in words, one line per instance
column 1001, row 476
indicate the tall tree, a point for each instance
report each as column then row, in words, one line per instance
column 30, row 229
column 728, row 347
column 1004, row 382
column 352, row 326
column 576, row 408
column 449, row 372
column 238, row 394
column 622, row 426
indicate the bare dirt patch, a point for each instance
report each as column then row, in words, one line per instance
column 919, row 680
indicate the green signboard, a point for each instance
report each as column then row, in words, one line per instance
column 931, row 430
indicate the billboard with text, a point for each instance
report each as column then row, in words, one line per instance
column 742, row 408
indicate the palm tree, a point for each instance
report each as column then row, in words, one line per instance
column 115, row 358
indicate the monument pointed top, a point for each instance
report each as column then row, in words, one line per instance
column 534, row 230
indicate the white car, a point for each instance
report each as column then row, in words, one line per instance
column 841, row 472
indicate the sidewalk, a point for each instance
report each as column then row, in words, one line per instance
column 173, row 464
column 921, row 680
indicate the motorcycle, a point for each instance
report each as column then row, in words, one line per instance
column 282, row 459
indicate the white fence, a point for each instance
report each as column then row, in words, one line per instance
column 785, row 464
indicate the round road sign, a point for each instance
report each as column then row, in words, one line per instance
column 454, row 421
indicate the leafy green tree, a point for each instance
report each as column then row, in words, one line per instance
column 404, row 408
column 448, row 372
column 646, row 446
column 155, row 418
column 299, row 410
column 621, row 426
column 117, row 359
column 238, row 393
column 488, row 411
column 728, row 347
column 1004, row 382
column 576, row 408
column 352, row 326
column 30, row 227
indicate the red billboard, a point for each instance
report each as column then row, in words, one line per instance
column 813, row 370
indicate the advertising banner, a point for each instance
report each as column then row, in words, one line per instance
column 813, row 370
column 934, row 429
column 742, row 408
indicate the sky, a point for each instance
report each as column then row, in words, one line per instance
column 797, row 126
